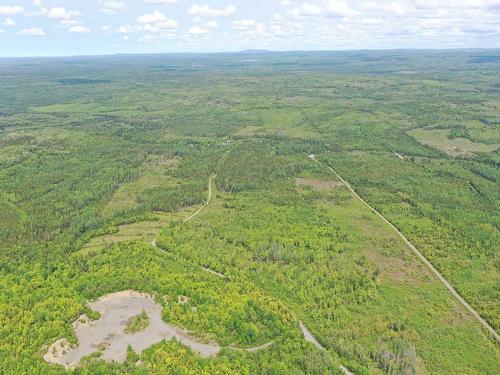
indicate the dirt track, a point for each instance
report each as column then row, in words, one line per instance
column 198, row 211
column 440, row 277
column 309, row 337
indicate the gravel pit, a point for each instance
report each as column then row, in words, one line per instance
column 107, row 335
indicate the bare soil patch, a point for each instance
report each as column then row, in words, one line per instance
column 107, row 334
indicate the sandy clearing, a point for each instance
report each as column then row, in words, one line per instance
column 107, row 333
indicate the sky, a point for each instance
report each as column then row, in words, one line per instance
column 89, row 27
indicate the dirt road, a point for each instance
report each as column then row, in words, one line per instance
column 420, row 256
column 308, row 336
column 198, row 211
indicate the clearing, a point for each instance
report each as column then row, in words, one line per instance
column 438, row 138
column 107, row 334
column 317, row 184
column 147, row 231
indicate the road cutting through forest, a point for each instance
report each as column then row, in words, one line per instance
column 198, row 211
column 418, row 254
column 308, row 336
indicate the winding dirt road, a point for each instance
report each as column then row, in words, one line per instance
column 198, row 211
column 308, row 336
column 419, row 255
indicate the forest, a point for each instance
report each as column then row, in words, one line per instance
column 204, row 181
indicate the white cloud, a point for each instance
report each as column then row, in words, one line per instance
column 212, row 24
column 324, row 8
column 312, row 9
column 10, row 10
column 396, row 8
column 207, row 11
column 198, row 30
column 159, row 19
column 125, row 29
column 149, row 38
column 261, row 28
column 35, row 31
column 62, row 13
column 340, row 9
column 112, row 7
column 159, row 26
column 9, row 22
column 244, row 24
column 2, row 31
column 79, row 29
column 369, row 5
column 160, row 2
column 69, row 22
column 280, row 24
column 153, row 26
column 427, row 4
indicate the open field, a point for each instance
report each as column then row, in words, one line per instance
column 189, row 179
column 440, row 139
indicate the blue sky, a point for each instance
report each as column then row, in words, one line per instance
column 72, row 27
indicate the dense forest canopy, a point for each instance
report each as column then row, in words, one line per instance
column 102, row 159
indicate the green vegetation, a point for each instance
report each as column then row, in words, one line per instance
column 137, row 323
column 97, row 178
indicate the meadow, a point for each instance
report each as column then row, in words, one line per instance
column 103, row 158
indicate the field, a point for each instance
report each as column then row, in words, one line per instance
column 203, row 181
column 443, row 140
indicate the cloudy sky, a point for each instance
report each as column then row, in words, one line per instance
column 69, row 27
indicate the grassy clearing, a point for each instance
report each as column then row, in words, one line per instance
column 157, row 174
column 317, row 184
column 439, row 139
column 143, row 231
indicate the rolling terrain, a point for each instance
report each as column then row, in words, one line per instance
column 301, row 212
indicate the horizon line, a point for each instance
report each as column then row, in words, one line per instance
column 250, row 50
